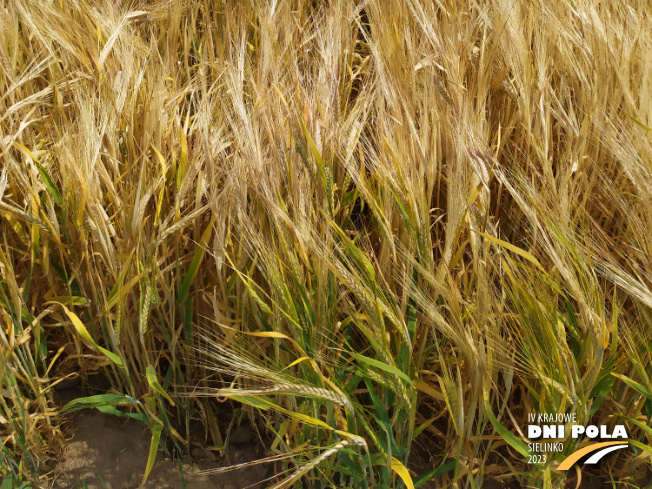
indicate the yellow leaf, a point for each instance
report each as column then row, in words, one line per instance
column 298, row 360
column 161, row 160
column 403, row 473
column 426, row 389
column 513, row 249
column 153, row 382
column 83, row 332
column 153, row 448
column 269, row 334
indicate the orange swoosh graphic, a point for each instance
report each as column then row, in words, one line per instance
column 571, row 459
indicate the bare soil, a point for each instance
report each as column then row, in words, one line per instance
column 109, row 452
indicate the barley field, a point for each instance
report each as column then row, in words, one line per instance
column 376, row 234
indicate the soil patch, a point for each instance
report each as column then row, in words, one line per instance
column 109, row 452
